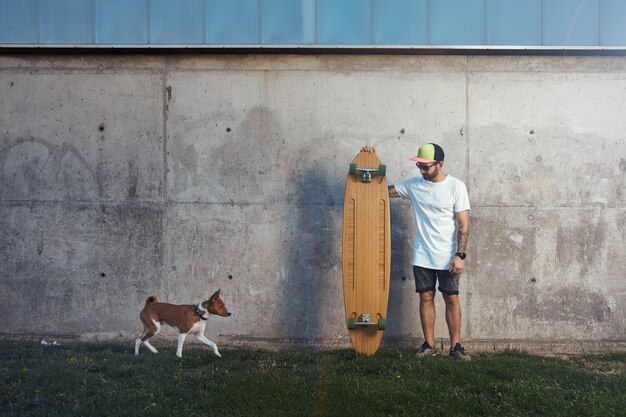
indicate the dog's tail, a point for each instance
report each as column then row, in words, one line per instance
column 152, row 299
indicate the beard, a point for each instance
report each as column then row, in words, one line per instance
column 431, row 173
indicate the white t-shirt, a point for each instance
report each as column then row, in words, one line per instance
column 434, row 207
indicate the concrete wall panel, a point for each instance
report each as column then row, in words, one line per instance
column 547, row 273
column 262, row 133
column 87, row 135
column 78, row 268
column 548, row 139
column 278, row 276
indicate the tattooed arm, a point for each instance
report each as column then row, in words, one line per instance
column 462, row 220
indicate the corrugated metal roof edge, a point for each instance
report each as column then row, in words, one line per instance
column 321, row 49
column 316, row 46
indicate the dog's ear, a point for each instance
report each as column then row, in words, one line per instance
column 216, row 293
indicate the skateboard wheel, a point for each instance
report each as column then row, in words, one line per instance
column 382, row 170
column 352, row 323
column 382, row 324
column 352, row 169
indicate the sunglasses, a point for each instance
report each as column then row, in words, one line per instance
column 425, row 167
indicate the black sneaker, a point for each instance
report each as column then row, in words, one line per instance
column 457, row 352
column 425, row 350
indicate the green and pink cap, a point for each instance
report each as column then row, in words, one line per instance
column 431, row 152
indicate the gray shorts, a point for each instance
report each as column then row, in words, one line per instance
column 425, row 280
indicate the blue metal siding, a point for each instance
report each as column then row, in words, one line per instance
column 18, row 21
column 233, row 22
column 571, row 22
column 120, row 22
column 346, row 22
column 66, row 21
column 287, row 22
column 178, row 22
column 457, row 22
column 589, row 24
column 613, row 19
column 401, row 22
column 511, row 22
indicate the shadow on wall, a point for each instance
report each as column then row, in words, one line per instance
column 302, row 194
column 403, row 321
column 313, row 255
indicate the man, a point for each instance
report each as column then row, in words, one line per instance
column 441, row 208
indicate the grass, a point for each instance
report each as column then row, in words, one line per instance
column 107, row 380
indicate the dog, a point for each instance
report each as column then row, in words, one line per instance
column 186, row 318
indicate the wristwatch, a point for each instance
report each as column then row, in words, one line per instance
column 461, row 255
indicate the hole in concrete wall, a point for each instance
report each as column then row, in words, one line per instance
column 533, row 280
column 230, row 277
column 101, row 127
column 103, row 275
column 228, row 129
column 402, row 131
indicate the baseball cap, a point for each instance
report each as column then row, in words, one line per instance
column 430, row 152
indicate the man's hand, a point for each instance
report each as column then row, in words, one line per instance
column 458, row 266
column 369, row 149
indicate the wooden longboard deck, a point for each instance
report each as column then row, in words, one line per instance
column 366, row 254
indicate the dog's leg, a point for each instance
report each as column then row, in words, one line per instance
column 179, row 348
column 144, row 339
column 149, row 346
column 151, row 328
column 209, row 343
column 140, row 340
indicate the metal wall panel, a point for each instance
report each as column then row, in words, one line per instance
column 178, row 22
column 571, row 22
column 401, row 22
column 613, row 22
column 18, row 21
column 591, row 24
column 457, row 22
column 66, row 21
column 513, row 22
column 120, row 22
column 233, row 22
column 288, row 21
column 345, row 22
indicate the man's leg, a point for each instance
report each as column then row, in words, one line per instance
column 453, row 317
column 428, row 316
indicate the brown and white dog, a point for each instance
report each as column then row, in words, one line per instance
column 186, row 318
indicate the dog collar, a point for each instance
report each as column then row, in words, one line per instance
column 198, row 311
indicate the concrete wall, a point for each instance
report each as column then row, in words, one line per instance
column 125, row 176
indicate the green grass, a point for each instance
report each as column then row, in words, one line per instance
column 107, row 380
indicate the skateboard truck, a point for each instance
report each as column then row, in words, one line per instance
column 366, row 321
column 366, row 174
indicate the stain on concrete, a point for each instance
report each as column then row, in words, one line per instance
column 574, row 305
column 244, row 161
column 585, row 243
column 33, row 167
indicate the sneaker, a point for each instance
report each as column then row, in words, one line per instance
column 457, row 352
column 425, row 350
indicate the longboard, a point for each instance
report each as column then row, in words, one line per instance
column 366, row 252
